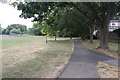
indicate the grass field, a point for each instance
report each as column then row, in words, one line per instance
column 31, row 57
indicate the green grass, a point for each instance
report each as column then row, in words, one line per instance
column 31, row 57
column 20, row 40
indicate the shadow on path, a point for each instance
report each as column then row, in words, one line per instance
column 83, row 63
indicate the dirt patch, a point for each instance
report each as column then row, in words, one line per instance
column 108, row 71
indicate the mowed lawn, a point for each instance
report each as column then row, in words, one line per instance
column 31, row 57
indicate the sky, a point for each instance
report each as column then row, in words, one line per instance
column 10, row 15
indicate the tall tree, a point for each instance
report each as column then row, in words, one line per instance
column 37, row 29
column 100, row 12
column 23, row 28
column 45, row 29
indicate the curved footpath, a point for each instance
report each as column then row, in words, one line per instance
column 83, row 63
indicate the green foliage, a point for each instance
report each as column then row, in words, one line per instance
column 44, row 27
column 71, row 18
column 35, row 30
column 116, row 17
column 14, row 4
column 99, row 12
column 16, row 28
column 15, row 31
column 71, row 23
column 4, row 31
column 37, row 10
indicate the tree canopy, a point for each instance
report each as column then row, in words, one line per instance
column 17, row 28
column 73, row 17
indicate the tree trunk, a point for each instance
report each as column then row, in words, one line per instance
column 104, row 37
column 91, row 33
column 46, row 39
column 104, row 30
column 91, row 38
column 70, row 37
column 55, row 37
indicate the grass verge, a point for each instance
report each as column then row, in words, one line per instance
column 31, row 57
column 112, row 51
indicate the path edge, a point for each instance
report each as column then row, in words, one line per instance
column 64, row 67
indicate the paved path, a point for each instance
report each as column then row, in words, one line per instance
column 83, row 63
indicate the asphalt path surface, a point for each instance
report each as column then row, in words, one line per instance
column 83, row 63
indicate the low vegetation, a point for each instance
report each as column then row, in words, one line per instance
column 31, row 57
column 112, row 51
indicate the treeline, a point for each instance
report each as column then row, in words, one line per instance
column 67, row 22
column 14, row 29
column 72, row 18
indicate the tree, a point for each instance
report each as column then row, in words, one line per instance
column 98, row 14
column 53, row 22
column 37, row 29
column 3, row 31
column 51, row 13
column 30, row 31
column 45, row 28
column 91, row 26
column 15, row 31
column 73, row 23
column 101, row 13
column 22, row 28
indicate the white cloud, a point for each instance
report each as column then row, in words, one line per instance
column 9, row 15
